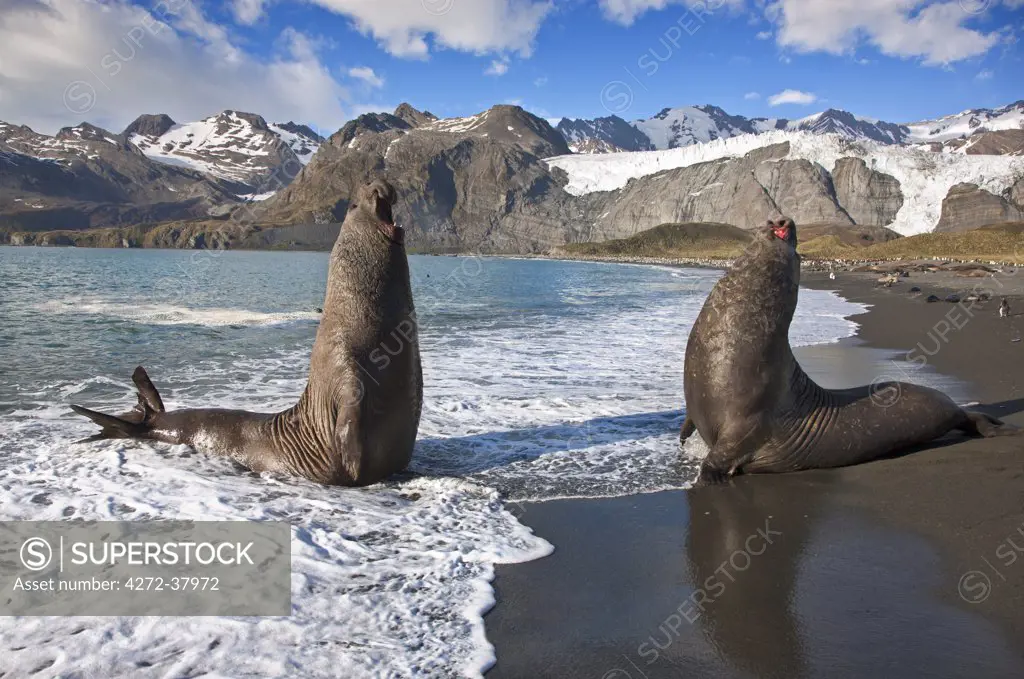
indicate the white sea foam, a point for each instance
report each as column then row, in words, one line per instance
column 171, row 314
column 390, row 580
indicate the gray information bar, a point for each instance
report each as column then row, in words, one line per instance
column 145, row 568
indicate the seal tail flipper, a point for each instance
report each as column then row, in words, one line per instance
column 980, row 424
column 132, row 425
column 112, row 427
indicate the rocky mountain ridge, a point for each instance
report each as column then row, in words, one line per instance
column 499, row 181
column 684, row 126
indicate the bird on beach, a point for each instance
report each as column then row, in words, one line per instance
column 831, row 275
column 1004, row 308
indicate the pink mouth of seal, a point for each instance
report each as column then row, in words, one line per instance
column 781, row 232
column 392, row 232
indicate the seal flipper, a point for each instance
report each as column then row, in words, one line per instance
column 980, row 424
column 149, row 397
column 113, row 427
column 133, row 425
column 711, row 476
column 686, row 431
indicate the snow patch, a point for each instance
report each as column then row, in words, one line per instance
column 964, row 124
column 458, row 125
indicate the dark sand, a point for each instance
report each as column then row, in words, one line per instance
column 905, row 567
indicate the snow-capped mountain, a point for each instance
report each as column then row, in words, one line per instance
column 970, row 122
column 687, row 125
column 603, row 135
column 87, row 176
column 302, row 140
column 69, row 143
column 848, row 126
column 239, row 147
column 677, row 127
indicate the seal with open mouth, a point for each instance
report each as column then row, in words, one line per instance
column 356, row 422
column 757, row 409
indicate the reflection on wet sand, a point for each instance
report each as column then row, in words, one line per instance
column 788, row 585
column 767, row 576
column 743, row 550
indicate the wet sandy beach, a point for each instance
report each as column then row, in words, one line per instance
column 912, row 566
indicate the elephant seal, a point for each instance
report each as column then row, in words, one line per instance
column 356, row 422
column 756, row 408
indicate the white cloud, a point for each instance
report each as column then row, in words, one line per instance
column 792, row 97
column 625, row 12
column 935, row 32
column 498, row 67
column 403, row 27
column 248, row 12
column 541, row 81
column 67, row 61
column 984, row 75
column 764, row 35
column 367, row 75
column 750, row 96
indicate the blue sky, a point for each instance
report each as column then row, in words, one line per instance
column 677, row 56
column 325, row 61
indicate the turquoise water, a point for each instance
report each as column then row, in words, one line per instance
column 542, row 379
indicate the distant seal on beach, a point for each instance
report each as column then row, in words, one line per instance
column 356, row 422
column 1004, row 308
column 756, row 408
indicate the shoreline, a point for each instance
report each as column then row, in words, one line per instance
column 808, row 262
column 903, row 566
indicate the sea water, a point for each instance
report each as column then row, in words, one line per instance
column 542, row 379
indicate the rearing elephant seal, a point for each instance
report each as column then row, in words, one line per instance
column 756, row 408
column 356, row 422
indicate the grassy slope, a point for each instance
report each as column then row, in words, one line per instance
column 997, row 242
column 1002, row 242
column 722, row 241
column 714, row 241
